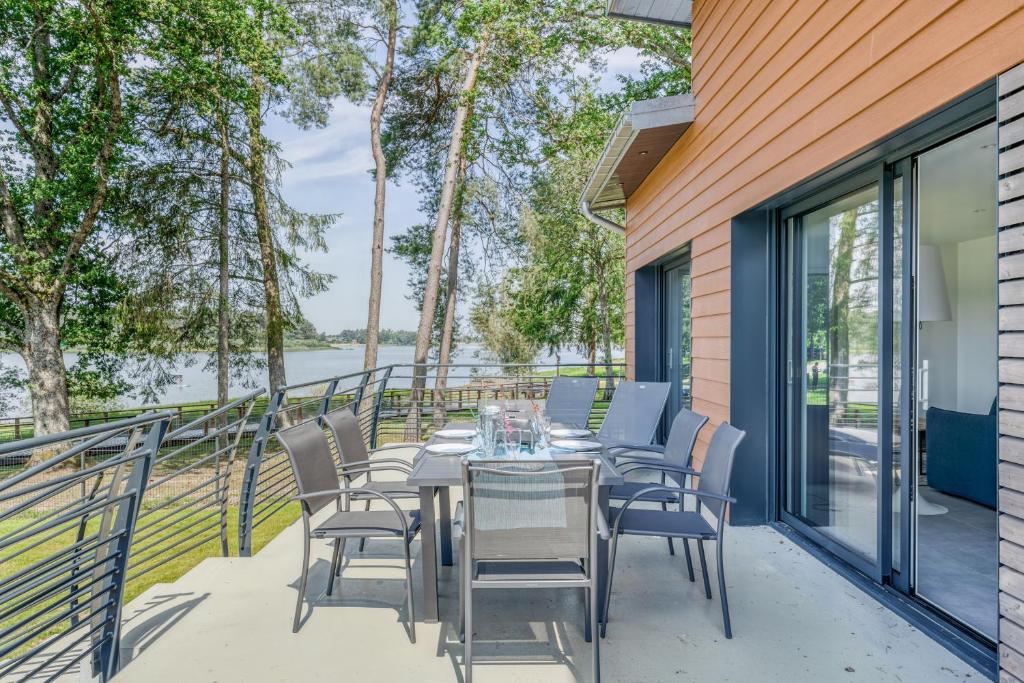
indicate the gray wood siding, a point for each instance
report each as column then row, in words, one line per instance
column 1011, row 374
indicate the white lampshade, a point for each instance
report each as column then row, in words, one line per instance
column 932, row 297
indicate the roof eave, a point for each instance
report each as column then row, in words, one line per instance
column 667, row 118
column 677, row 13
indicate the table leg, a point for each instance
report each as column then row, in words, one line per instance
column 428, row 554
column 601, row 565
column 445, row 522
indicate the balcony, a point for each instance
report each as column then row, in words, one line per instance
column 229, row 617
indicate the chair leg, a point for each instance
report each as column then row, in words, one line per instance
column 408, row 592
column 689, row 560
column 664, row 508
column 704, row 568
column 302, row 583
column 721, row 590
column 362, row 541
column 596, row 653
column 608, row 588
column 467, row 656
column 334, row 566
column 462, row 595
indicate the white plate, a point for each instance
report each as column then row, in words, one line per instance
column 576, row 444
column 455, row 433
column 563, row 433
column 450, row 448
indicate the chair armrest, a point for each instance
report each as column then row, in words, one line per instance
column 648, row 447
column 659, row 466
column 602, row 526
column 636, row 459
column 337, row 493
column 375, row 464
column 672, row 489
column 392, row 446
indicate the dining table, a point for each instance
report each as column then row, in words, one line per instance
column 435, row 474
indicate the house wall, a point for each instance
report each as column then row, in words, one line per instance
column 1011, row 375
column 783, row 90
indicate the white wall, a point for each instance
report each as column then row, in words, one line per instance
column 937, row 340
column 977, row 343
column 962, row 353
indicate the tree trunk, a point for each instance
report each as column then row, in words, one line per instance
column 223, row 274
column 380, row 172
column 265, row 236
column 381, row 179
column 47, row 376
column 839, row 322
column 444, row 210
column 450, row 301
column 591, row 356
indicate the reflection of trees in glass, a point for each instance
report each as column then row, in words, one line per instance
column 853, row 302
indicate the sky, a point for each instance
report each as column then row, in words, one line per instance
column 330, row 173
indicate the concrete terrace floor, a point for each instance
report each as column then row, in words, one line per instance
column 793, row 620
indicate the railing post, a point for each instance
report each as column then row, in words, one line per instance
column 357, row 400
column 375, row 422
column 123, row 529
column 242, row 411
column 325, row 403
column 247, row 496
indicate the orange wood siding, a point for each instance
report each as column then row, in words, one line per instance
column 783, row 90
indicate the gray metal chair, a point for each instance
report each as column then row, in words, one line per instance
column 353, row 454
column 712, row 492
column 570, row 400
column 634, row 414
column 319, row 485
column 677, row 456
column 528, row 525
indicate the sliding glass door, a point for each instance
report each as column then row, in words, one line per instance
column 832, row 468
column 890, row 320
column 677, row 337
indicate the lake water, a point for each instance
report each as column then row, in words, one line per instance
column 199, row 384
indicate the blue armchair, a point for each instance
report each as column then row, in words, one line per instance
column 962, row 454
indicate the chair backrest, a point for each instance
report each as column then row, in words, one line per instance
column 312, row 464
column 682, row 437
column 570, row 399
column 716, row 473
column 635, row 411
column 347, row 435
column 523, row 510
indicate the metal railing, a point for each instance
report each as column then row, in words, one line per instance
column 19, row 427
column 187, row 500
column 389, row 411
column 267, row 482
column 67, row 521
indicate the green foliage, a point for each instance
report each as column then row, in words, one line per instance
column 501, row 335
column 536, row 128
column 387, row 337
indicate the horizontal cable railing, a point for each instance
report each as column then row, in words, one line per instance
column 18, row 427
column 67, row 521
column 389, row 409
column 267, row 482
column 186, row 508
